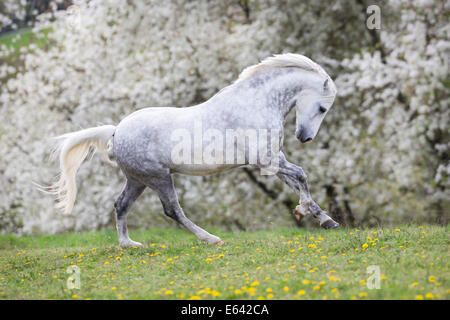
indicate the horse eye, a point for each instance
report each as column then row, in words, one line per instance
column 322, row 109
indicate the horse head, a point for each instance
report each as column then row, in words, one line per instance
column 312, row 104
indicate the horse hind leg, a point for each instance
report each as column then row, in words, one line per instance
column 167, row 194
column 130, row 193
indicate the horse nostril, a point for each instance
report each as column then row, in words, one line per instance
column 309, row 139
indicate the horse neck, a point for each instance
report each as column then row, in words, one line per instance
column 275, row 90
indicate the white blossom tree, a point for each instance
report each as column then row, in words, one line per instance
column 382, row 154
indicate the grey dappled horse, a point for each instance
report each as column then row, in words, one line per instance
column 142, row 144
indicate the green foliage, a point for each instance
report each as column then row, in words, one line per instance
column 23, row 38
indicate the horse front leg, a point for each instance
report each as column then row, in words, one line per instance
column 295, row 177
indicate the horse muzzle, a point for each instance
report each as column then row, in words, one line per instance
column 303, row 136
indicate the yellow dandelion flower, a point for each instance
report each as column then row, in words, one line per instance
column 306, row 281
column 106, row 262
column 431, row 278
column 301, row 292
column 194, row 298
column 429, row 295
column 365, row 245
column 363, row 282
column 419, row 297
column 363, row 294
column 414, row 284
column 285, row 288
column 75, row 296
column 269, row 296
column 316, row 288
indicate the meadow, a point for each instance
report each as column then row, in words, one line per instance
column 278, row 264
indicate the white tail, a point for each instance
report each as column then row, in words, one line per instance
column 73, row 148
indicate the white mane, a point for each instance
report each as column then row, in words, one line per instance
column 287, row 60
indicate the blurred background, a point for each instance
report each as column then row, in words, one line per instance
column 381, row 156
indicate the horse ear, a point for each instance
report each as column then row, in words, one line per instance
column 325, row 85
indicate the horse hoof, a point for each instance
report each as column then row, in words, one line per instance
column 297, row 214
column 329, row 224
column 219, row 243
column 131, row 244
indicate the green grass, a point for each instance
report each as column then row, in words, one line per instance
column 276, row 264
column 14, row 41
